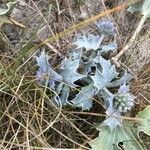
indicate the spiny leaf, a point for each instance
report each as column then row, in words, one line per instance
column 69, row 71
column 84, row 98
column 86, row 67
column 125, row 78
column 62, row 94
column 89, row 42
column 123, row 88
column 108, row 98
column 5, row 11
column 103, row 77
column 109, row 140
column 145, row 120
column 109, row 47
column 126, row 133
column 87, row 61
column 8, row 9
column 146, row 8
column 143, row 7
column 45, row 71
column 135, row 7
column 75, row 54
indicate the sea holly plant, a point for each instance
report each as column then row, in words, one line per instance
column 45, row 72
column 86, row 73
column 116, row 104
column 142, row 7
column 124, row 136
column 5, row 11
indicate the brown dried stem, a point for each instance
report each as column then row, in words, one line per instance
column 130, row 42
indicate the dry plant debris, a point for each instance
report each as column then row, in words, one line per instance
column 31, row 115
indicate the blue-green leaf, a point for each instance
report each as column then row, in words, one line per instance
column 8, row 9
column 69, row 71
column 135, row 8
column 62, row 94
column 109, row 47
column 146, row 8
column 89, row 42
column 110, row 121
column 45, row 71
column 144, row 122
column 127, row 134
column 109, row 140
column 84, row 98
column 143, row 7
column 116, row 104
column 125, row 78
column 5, row 11
column 103, row 77
column 75, row 54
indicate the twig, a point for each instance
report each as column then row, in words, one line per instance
column 17, row 23
column 130, row 42
column 104, row 115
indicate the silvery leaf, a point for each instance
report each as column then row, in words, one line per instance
column 146, row 8
column 144, row 120
column 127, row 134
column 109, row 47
column 89, row 42
column 124, row 78
column 109, row 140
column 45, row 71
column 123, row 88
column 62, row 94
column 111, row 121
column 107, row 97
column 143, row 7
column 8, row 9
column 84, row 98
column 69, row 71
column 103, row 77
column 75, row 54
column 42, row 61
column 86, row 67
column 86, row 62
column 135, row 8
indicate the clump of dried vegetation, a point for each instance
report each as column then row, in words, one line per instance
column 28, row 117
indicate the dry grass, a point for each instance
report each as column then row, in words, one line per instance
column 28, row 118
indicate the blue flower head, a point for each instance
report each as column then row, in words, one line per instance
column 107, row 27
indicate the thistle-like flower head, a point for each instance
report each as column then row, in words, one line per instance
column 106, row 26
column 124, row 100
